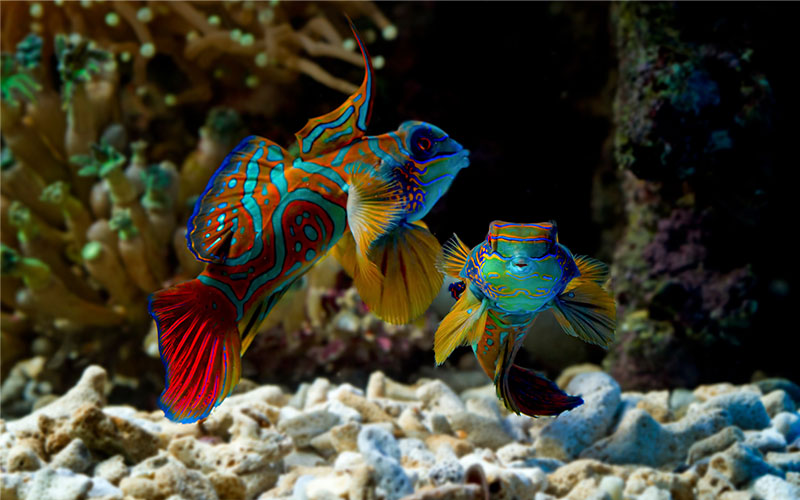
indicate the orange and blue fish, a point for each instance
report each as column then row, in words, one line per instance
column 267, row 216
column 502, row 285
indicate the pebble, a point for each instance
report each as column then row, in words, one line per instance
column 420, row 442
column 570, row 433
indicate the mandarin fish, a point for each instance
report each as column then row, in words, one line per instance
column 503, row 284
column 267, row 216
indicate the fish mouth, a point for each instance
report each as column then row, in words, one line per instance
column 462, row 158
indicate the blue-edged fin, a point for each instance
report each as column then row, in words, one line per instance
column 586, row 311
column 407, row 279
column 346, row 123
column 463, row 325
column 453, row 257
column 200, row 348
column 227, row 221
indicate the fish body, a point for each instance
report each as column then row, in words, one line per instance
column 267, row 216
column 517, row 273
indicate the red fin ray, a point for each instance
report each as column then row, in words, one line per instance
column 200, row 348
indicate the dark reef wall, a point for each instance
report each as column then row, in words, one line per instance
column 697, row 274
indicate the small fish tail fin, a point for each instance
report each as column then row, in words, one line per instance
column 463, row 325
column 525, row 391
column 587, row 311
column 200, row 347
column 409, row 280
column 453, row 258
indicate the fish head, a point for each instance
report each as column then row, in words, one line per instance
column 522, row 267
column 427, row 162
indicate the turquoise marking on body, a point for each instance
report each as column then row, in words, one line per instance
column 313, row 168
column 337, row 214
column 232, row 183
column 317, row 131
column 277, row 177
column 298, row 246
column 251, row 206
column 339, row 158
column 348, row 130
column 374, row 146
column 274, row 153
column 489, row 342
column 227, row 290
column 310, row 254
column 310, row 232
column 298, row 220
column 399, row 141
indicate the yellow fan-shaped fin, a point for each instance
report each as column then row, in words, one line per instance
column 588, row 312
column 408, row 279
column 372, row 210
column 453, row 257
column 591, row 270
column 463, row 325
column 345, row 252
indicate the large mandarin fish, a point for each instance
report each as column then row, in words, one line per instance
column 267, row 216
column 502, row 286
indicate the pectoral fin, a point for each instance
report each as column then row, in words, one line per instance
column 372, row 210
column 588, row 312
column 591, row 270
column 463, row 325
column 453, row 258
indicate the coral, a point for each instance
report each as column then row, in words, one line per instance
column 101, row 104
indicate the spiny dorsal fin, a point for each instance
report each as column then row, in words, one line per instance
column 587, row 312
column 453, row 258
column 346, row 123
column 228, row 220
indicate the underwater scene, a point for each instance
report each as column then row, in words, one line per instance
column 336, row 250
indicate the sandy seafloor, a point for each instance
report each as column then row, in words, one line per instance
column 443, row 438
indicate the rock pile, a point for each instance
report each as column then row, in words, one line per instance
column 418, row 442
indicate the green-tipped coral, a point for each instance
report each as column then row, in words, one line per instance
column 78, row 61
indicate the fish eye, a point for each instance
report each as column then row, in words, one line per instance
column 421, row 144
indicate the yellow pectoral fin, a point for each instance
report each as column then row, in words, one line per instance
column 372, row 210
column 453, row 257
column 408, row 279
column 463, row 325
column 345, row 252
column 591, row 270
column 588, row 312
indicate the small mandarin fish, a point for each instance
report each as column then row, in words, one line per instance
column 504, row 283
column 267, row 216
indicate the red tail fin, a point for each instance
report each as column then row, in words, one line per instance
column 200, row 348
column 525, row 391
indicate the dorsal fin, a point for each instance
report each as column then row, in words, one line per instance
column 229, row 216
column 346, row 123
column 453, row 258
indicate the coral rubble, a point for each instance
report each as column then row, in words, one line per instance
column 419, row 441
